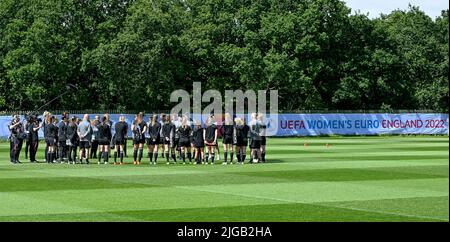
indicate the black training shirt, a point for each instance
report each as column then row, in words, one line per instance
column 185, row 132
column 210, row 132
column 121, row 130
column 228, row 130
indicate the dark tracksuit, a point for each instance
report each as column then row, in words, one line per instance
column 71, row 136
column 16, row 141
column 263, row 141
column 28, row 139
column 94, row 144
column 44, row 126
column 62, row 147
column 52, row 135
column 34, row 140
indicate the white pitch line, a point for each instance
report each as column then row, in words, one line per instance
column 319, row 204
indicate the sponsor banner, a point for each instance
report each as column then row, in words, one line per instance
column 320, row 124
column 361, row 124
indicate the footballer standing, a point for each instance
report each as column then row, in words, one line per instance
column 210, row 139
column 121, row 129
column 227, row 139
column 154, row 131
column 185, row 133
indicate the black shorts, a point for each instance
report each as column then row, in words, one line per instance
column 263, row 140
column 165, row 142
column 227, row 140
column 199, row 144
column 255, row 144
column 241, row 143
column 50, row 141
column 184, row 143
column 152, row 142
column 138, row 141
column 101, row 142
column 85, row 144
column 62, row 143
column 119, row 142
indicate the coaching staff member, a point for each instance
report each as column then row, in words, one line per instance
column 84, row 131
column 62, row 136
column 33, row 129
column 16, row 138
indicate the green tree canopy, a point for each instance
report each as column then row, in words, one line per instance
column 126, row 54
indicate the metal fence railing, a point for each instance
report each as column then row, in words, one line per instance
column 89, row 111
column 300, row 111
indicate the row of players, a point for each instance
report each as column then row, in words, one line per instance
column 167, row 136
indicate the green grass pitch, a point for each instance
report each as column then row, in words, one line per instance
column 383, row 178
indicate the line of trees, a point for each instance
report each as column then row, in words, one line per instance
column 131, row 54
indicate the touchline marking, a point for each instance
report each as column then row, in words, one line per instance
column 318, row 204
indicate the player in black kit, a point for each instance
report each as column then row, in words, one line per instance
column 153, row 140
column 104, row 139
column 241, row 139
column 33, row 128
column 263, row 136
column 16, row 138
column 162, row 120
column 255, row 133
column 62, row 129
column 185, row 133
column 46, row 116
column 227, row 139
column 210, row 139
column 71, row 140
column 138, row 128
column 94, row 140
column 168, row 135
column 198, row 138
column 121, row 129
column 52, row 134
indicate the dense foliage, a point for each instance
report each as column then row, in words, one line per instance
column 126, row 54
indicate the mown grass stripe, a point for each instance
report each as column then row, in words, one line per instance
column 393, row 178
column 284, row 212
